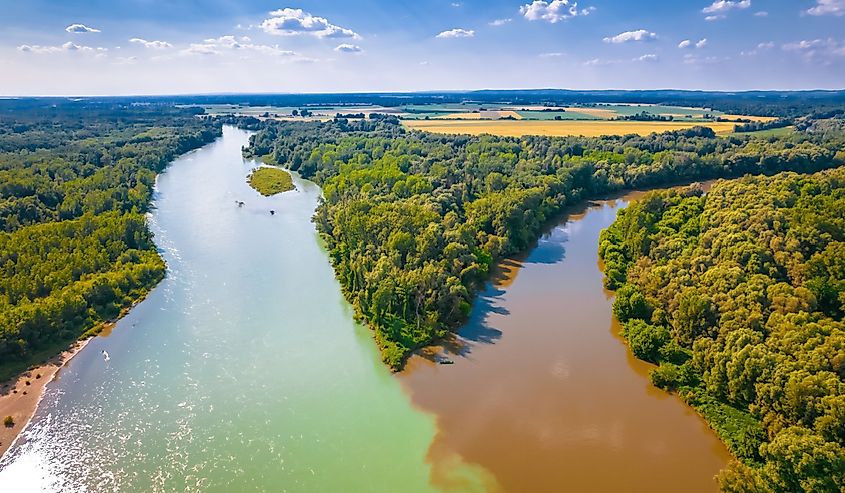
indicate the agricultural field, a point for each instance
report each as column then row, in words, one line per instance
column 588, row 128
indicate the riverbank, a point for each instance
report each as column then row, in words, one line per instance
column 20, row 395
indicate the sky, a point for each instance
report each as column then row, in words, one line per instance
column 134, row 47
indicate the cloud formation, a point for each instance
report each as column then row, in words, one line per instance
column 650, row 57
column 827, row 7
column 457, row 33
column 554, row 11
column 224, row 44
column 296, row 22
column 68, row 47
column 80, row 28
column 348, row 48
column 724, row 6
column 817, row 49
column 631, row 36
column 500, row 22
column 154, row 45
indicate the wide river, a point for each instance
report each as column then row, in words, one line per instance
column 244, row 371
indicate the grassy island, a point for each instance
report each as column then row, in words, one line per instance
column 270, row 181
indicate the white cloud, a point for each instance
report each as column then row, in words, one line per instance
column 68, row 47
column 80, row 28
column 724, row 6
column 457, row 33
column 827, row 7
column 697, row 60
column 294, row 22
column 629, row 36
column 701, row 43
column 761, row 13
column 155, row 45
column 554, row 54
column 814, row 49
column 348, row 48
column 684, row 44
column 714, row 17
column 760, row 47
column 500, row 22
column 650, row 57
column 554, row 11
column 224, row 44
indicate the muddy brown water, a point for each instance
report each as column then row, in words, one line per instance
column 543, row 393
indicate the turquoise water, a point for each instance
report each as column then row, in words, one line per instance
column 242, row 371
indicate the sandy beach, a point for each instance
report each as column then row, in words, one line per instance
column 19, row 396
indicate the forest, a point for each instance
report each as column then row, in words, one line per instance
column 738, row 294
column 75, row 182
column 415, row 222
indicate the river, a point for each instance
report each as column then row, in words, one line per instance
column 244, row 371
column 544, row 393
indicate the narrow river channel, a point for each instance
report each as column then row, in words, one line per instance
column 543, row 392
column 244, row 371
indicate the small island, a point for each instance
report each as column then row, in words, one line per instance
column 270, row 181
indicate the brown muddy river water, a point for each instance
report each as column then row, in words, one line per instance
column 544, row 394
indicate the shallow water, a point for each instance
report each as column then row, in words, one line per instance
column 242, row 371
column 544, row 394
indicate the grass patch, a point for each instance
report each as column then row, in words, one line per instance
column 270, row 181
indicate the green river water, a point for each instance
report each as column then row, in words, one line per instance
column 242, row 371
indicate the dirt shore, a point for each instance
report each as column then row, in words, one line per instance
column 19, row 396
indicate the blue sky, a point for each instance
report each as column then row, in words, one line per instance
column 189, row 46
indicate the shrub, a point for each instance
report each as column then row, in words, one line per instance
column 9, row 421
column 630, row 303
column 645, row 339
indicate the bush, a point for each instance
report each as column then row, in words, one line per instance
column 645, row 339
column 9, row 421
column 630, row 303
column 669, row 376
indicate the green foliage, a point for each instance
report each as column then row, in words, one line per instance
column 270, row 181
column 8, row 421
column 630, row 304
column 74, row 245
column 645, row 340
column 748, row 279
column 414, row 222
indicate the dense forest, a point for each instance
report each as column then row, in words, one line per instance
column 75, row 182
column 414, row 222
column 739, row 295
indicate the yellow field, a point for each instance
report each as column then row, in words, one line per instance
column 746, row 117
column 596, row 112
column 559, row 128
column 460, row 116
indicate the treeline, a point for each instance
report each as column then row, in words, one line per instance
column 757, row 126
column 414, row 222
column 739, row 295
column 645, row 116
column 75, row 182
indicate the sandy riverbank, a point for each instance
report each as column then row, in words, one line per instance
column 19, row 396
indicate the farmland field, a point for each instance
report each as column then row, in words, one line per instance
column 593, row 128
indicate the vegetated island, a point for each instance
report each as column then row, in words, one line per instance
column 739, row 295
column 268, row 180
column 415, row 221
column 75, row 250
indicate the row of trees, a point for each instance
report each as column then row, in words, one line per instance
column 739, row 295
column 415, row 221
column 75, row 182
